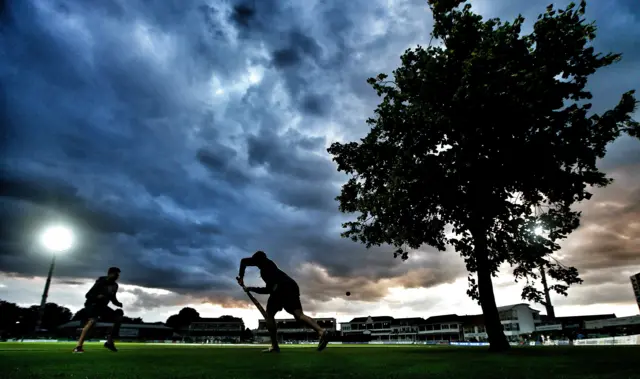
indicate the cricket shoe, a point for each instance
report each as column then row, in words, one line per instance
column 78, row 350
column 111, row 346
column 324, row 340
column 271, row 350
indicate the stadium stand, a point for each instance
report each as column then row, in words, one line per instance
column 291, row 331
column 214, row 330
column 128, row 332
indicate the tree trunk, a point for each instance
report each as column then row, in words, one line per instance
column 497, row 340
column 547, row 299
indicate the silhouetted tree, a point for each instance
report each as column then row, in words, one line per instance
column 79, row 316
column 10, row 318
column 185, row 317
column 54, row 315
column 173, row 322
column 189, row 314
column 487, row 136
column 246, row 335
column 16, row 321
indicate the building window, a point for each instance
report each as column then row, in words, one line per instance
column 512, row 327
column 508, row 315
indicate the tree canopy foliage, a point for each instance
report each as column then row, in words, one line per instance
column 480, row 139
column 16, row 321
column 185, row 317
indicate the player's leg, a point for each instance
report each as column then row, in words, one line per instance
column 274, row 305
column 293, row 306
column 299, row 315
column 89, row 320
column 273, row 333
column 83, row 335
column 114, row 316
column 117, row 321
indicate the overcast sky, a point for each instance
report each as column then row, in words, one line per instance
column 176, row 137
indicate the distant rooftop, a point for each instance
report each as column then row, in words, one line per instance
column 219, row 319
column 408, row 320
column 443, row 318
column 294, row 320
column 373, row 318
column 509, row 307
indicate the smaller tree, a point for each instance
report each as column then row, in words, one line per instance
column 55, row 315
column 10, row 318
column 189, row 314
column 79, row 315
column 183, row 319
column 247, row 335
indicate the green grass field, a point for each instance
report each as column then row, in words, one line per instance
column 32, row 360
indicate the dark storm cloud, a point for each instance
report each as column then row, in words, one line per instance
column 291, row 155
column 177, row 137
column 321, row 287
column 304, row 195
column 58, row 195
column 147, row 301
column 219, row 159
column 298, row 46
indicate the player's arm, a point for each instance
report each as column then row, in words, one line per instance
column 259, row 290
column 114, row 299
column 244, row 263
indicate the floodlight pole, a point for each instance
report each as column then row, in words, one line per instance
column 45, row 293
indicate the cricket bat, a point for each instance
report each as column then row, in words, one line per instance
column 253, row 299
column 258, row 305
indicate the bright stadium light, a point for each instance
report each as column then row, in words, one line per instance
column 57, row 239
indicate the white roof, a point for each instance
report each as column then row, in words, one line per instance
column 294, row 320
column 508, row 307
